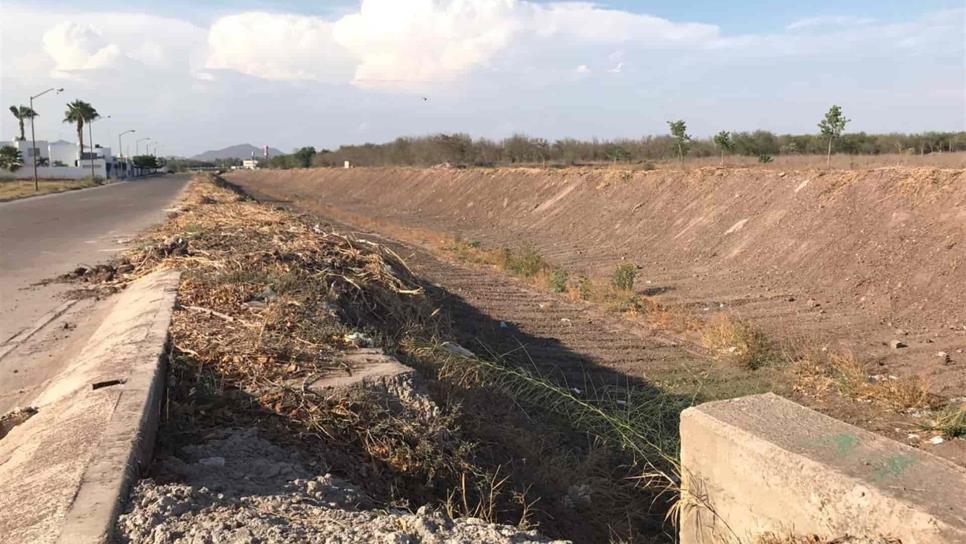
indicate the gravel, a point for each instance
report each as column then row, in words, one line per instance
column 241, row 489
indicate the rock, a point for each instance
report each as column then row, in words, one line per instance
column 212, row 461
column 457, row 349
column 318, row 511
column 944, row 356
column 936, row 440
column 897, row 344
column 359, row 340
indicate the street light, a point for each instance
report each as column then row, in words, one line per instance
column 33, row 137
column 137, row 146
column 120, row 148
column 90, row 134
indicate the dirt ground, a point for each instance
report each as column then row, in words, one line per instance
column 847, row 261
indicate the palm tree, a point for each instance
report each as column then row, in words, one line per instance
column 80, row 112
column 21, row 113
column 10, row 158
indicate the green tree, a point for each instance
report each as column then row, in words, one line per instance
column 723, row 142
column 147, row 162
column 80, row 112
column 832, row 126
column 21, row 113
column 303, row 157
column 682, row 140
column 10, row 158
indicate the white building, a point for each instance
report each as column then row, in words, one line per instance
column 60, row 160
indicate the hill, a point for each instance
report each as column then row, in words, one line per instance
column 240, row 151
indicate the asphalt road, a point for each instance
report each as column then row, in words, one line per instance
column 43, row 237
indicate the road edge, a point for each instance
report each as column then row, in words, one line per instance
column 126, row 444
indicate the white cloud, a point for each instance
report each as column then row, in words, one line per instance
column 276, row 47
column 412, row 45
column 586, row 22
column 74, row 47
column 827, row 22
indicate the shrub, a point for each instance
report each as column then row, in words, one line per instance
column 624, row 276
column 584, row 287
column 952, row 422
column 527, row 263
column 745, row 345
column 764, row 158
column 558, row 280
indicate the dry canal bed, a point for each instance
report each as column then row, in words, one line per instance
column 735, row 290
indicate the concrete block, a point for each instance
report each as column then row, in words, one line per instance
column 367, row 368
column 763, row 464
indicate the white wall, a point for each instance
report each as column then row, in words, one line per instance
column 24, row 147
column 65, row 153
column 57, row 172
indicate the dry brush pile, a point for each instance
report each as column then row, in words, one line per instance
column 268, row 301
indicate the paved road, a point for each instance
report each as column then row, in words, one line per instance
column 46, row 236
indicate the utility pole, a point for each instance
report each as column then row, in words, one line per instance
column 90, row 136
column 120, row 148
column 33, row 136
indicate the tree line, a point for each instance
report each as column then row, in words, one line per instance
column 462, row 149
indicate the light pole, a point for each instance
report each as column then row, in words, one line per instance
column 33, row 137
column 90, row 136
column 137, row 145
column 120, row 148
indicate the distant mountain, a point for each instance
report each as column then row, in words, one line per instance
column 240, row 151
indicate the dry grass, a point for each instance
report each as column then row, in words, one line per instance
column 738, row 342
column 773, row 538
column 844, row 374
column 951, row 422
column 267, row 303
column 13, row 190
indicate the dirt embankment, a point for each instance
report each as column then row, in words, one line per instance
column 843, row 259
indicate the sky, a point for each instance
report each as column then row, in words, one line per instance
column 196, row 75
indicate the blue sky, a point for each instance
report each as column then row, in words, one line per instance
column 199, row 75
column 734, row 16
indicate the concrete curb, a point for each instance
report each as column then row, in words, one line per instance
column 762, row 464
column 65, row 471
column 126, row 444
